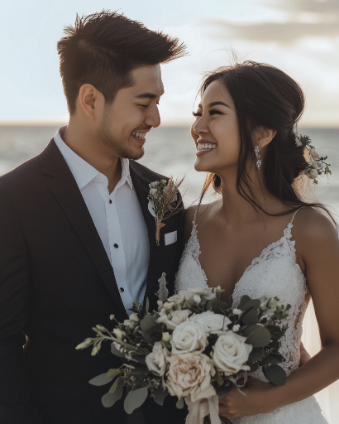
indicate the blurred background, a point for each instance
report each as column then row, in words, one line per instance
column 299, row 36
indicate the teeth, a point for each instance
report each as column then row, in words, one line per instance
column 206, row 147
column 139, row 134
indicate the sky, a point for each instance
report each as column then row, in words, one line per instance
column 299, row 36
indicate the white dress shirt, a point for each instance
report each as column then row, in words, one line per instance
column 118, row 219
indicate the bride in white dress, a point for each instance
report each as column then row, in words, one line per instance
column 245, row 138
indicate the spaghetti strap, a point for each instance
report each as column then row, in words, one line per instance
column 195, row 215
column 295, row 214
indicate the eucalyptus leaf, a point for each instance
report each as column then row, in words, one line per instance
column 221, row 391
column 257, row 336
column 118, row 381
column 275, row 374
column 149, row 328
column 244, row 299
column 113, row 372
column 272, row 359
column 109, row 398
column 139, row 358
column 147, row 305
column 180, row 403
column 256, row 355
column 139, row 372
column 217, row 306
column 220, row 380
column 135, row 399
column 100, row 380
column 254, row 303
column 116, row 352
column 250, row 317
column 160, row 395
column 162, row 292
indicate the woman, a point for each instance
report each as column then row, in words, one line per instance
column 260, row 238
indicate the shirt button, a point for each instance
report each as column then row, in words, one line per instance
column 122, row 289
column 115, row 245
column 110, row 200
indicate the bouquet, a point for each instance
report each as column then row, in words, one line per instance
column 195, row 347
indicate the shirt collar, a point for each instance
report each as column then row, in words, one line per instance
column 82, row 171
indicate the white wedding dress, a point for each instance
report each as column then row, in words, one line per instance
column 274, row 273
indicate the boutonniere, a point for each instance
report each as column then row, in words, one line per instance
column 163, row 202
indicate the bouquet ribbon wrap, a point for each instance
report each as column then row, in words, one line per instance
column 199, row 409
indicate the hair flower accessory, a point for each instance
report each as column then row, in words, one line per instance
column 163, row 202
column 316, row 164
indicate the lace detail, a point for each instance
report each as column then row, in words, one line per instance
column 273, row 273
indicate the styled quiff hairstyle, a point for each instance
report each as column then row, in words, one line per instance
column 103, row 48
column 265, row 96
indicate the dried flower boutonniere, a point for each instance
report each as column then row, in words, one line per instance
column 163, row 203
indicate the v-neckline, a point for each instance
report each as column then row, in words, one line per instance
column 256, row 259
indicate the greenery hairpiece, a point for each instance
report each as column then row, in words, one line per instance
column 316, row 164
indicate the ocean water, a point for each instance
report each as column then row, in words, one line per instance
column 170, row 151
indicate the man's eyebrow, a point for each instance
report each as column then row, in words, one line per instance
column 147, row 96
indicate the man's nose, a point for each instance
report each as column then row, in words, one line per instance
column 153, row 119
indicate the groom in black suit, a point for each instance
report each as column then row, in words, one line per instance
column 77, row 242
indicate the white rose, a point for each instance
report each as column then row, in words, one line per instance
column 212, row 323
column 231, row 352
column 188, row 337
column 177, row 317
column 156, row 360
column 190, row 375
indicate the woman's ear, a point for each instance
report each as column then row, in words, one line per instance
column 263, row 136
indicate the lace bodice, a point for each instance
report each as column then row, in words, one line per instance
column 274, row 273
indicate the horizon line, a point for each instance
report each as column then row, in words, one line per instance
column 32, row 123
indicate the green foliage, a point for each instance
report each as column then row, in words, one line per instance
column 180, row 403
column 275, row 374
column 135, row 399
column 257, row 336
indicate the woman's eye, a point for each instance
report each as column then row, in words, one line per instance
column 215, row 112
column 196, row 114
column 143, row 105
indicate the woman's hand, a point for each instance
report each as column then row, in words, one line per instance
column 259, row 399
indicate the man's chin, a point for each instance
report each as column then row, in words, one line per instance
column 134, row 155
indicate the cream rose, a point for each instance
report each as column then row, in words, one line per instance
column 190, row 374
column 177, row 317
column 212, row 323
column 230, row 352
column 188, row 337
column 156, row 360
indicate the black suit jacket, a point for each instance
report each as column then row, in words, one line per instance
column 56, row 283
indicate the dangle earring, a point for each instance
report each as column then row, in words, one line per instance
column 257, row 155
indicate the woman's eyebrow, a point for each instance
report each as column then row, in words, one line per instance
column 215, row 104
column 219, row 103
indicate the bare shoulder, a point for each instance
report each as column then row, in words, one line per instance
column 313, row 230
column 203, row 211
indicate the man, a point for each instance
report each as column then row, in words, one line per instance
column 77, row 242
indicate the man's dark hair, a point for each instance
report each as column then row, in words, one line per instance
column 103, row 48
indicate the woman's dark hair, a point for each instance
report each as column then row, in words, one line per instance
column 265, row 96
column 103, row 48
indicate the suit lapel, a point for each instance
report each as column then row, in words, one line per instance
column 141, row 185
column 68, row 195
